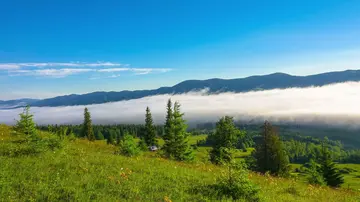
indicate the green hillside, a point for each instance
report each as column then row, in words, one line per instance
column 80, row 170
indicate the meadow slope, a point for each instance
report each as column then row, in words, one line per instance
column 84, row 171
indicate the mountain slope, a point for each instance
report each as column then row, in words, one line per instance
column 266, row 82
column 16, row 103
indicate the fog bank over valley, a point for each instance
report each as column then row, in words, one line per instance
column 336, row 104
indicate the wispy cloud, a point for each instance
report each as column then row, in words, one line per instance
column 57, row 73
column 142, row 71
column 114, row 70
column 60, row 70
column 7, row 66
column 112, row 76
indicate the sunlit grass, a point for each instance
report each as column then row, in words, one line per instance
column 84, row 171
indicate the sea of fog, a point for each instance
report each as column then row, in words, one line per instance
column 336, row 104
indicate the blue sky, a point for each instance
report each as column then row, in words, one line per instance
column 52, row 48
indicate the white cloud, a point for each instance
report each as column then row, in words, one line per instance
column 114, row 70
column 9, row 66
column 57, row 64
column 143, row 71
column 335, row 104
column 112, row 76
column 57, row 69
column 57, row 73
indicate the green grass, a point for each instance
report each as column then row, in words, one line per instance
column 84, row 171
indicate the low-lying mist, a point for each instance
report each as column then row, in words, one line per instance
column 336, row 105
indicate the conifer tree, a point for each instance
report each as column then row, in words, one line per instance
column 181, row 147
column 87, row 130
column 225, row 140
column 99, row 135
column 270, row 155
column 176, row 138
column 314, row 173
column 149, row 133
column 331, row 174
column 110, row 139
column 26, row 124
column 168, row 130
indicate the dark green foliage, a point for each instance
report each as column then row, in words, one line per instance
column 26, row 126
column 331, row 174
column 176, row 138
column 168, row 130
column 225, row 139
column 314, row 173
column 142, row 145
column 111, row 140
column 235, row 184
column 99, row 135
column 128, row 146
column 270, row 154
column 149, row 132
column 87, row 130
column 181, row 147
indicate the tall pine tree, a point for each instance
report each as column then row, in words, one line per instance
column 270, row 155
column 176, row 138
column 182, row 150
column 168, row 130
column 149, row 133
column 87, row 130
column 26, row 125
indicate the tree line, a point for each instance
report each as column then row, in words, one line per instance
column 271, row 154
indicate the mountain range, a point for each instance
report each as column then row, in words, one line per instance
column 252, row 83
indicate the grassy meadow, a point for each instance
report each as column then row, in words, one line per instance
column 90, row 171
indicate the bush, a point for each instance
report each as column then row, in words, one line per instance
column 23, row 147
column 128, row 146
column 235, row 184
column 142, row 145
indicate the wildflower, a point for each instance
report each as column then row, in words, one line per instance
column 167, row 199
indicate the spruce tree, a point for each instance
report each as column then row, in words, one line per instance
column 225, row 140
column 331, row 174
column 168, row 130
column 149, row 133
column 87, row 130
column 181, row 147
column 176, row 138
column 99, row 135
column 314, row 173
column 26, row 125
column 270, row 155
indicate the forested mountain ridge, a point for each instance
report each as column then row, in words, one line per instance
column 265, row 82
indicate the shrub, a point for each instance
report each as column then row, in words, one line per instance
column 128, row 146
column 142, row 145
column 235, row 184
